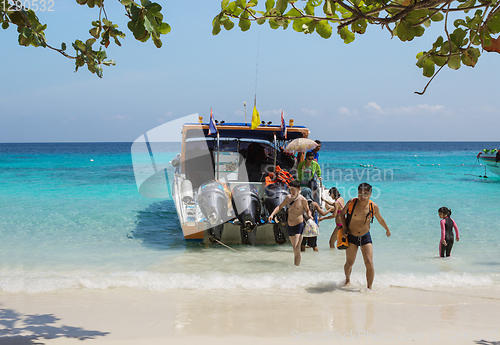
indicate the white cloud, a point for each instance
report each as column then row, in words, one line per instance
column 420, row 109
column 312, row 112
column 372, row 106
column 347, row 111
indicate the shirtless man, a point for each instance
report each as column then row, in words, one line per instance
column 298, row 204
column 363, row 210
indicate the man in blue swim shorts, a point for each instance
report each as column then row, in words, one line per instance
column 297, row 204
column 356, row 217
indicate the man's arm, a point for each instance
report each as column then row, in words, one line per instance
column 381, row 220
column 285, row 202
column 318, row 169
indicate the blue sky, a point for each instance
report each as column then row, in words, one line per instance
column 361, row 91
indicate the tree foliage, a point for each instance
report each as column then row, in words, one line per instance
column 146, row 21
column 475, row 27
column 477, row 23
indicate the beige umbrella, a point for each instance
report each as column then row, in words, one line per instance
column 301, row 145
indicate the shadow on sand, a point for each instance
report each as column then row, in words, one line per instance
column 18, row 329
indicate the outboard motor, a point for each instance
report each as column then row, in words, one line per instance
column 246, row 203
column 213, row 203
column 274, row 195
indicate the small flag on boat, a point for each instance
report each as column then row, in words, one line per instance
column 212, row 128
column 255, row 118
column 283, row 126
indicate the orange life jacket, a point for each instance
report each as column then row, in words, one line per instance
column 280, row 176
column 352, row 204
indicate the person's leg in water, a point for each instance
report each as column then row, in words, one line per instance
column 313, row 242
column 333, row 238
column 350, row 258
column 448, row 247
column 296, row 241
column 303, row 244
column 367, row 251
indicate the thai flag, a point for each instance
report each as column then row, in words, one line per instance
column 283, row 126
column 212, row 128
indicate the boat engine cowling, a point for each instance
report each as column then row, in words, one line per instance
column 213, row 202
column 274, row 195
column 246, row 203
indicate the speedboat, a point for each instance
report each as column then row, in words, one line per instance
column 490, row 159
column 221, row 183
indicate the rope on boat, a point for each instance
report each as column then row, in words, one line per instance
column 237, row 251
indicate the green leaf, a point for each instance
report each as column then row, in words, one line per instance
column 428, row 68
column 329, row 8
column 454, row 62
column 301, row 24
column 125, row 2
column 293, row 13
column 346, row 35
column 5, row 25
column 469, row 3
column 137, row 28
column 309, row 8
column 228, row 24
column 241, row 3
column 269, row 5
column 324, row 29
column 252, row 3
column 494, row 23
column 281, row 6
column 273, row 23
column 95, row 32
column 216, row 29
column 437, row 17
column 438, row 43
column 458, row 36
column 224, row 3
column 63, row 46
column 439, row 60
column 164, row 28
column 244, row 24
column 359, row 26
column 261, row 21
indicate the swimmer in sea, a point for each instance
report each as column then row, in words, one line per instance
column 361, row 213
column 447, row 226
column 297, row 205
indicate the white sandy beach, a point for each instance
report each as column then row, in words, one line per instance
column 321, row 314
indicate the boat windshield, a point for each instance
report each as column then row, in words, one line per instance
column 258, row 155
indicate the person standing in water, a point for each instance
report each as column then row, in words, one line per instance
column 297, row 205
column 447, row 226
column 336, row 209
column 356, row 218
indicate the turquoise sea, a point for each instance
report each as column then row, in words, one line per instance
column 71, row 217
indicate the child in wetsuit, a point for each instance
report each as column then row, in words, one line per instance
column 447, row 226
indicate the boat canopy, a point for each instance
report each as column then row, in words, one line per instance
column 241, row 130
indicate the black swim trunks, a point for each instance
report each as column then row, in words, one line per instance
column 296, row 229
column 360, row 240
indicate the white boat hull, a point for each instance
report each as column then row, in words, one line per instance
column 490, row 161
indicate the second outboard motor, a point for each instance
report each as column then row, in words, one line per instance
column 213, row 203
column 246, row 204
column 274, row 195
